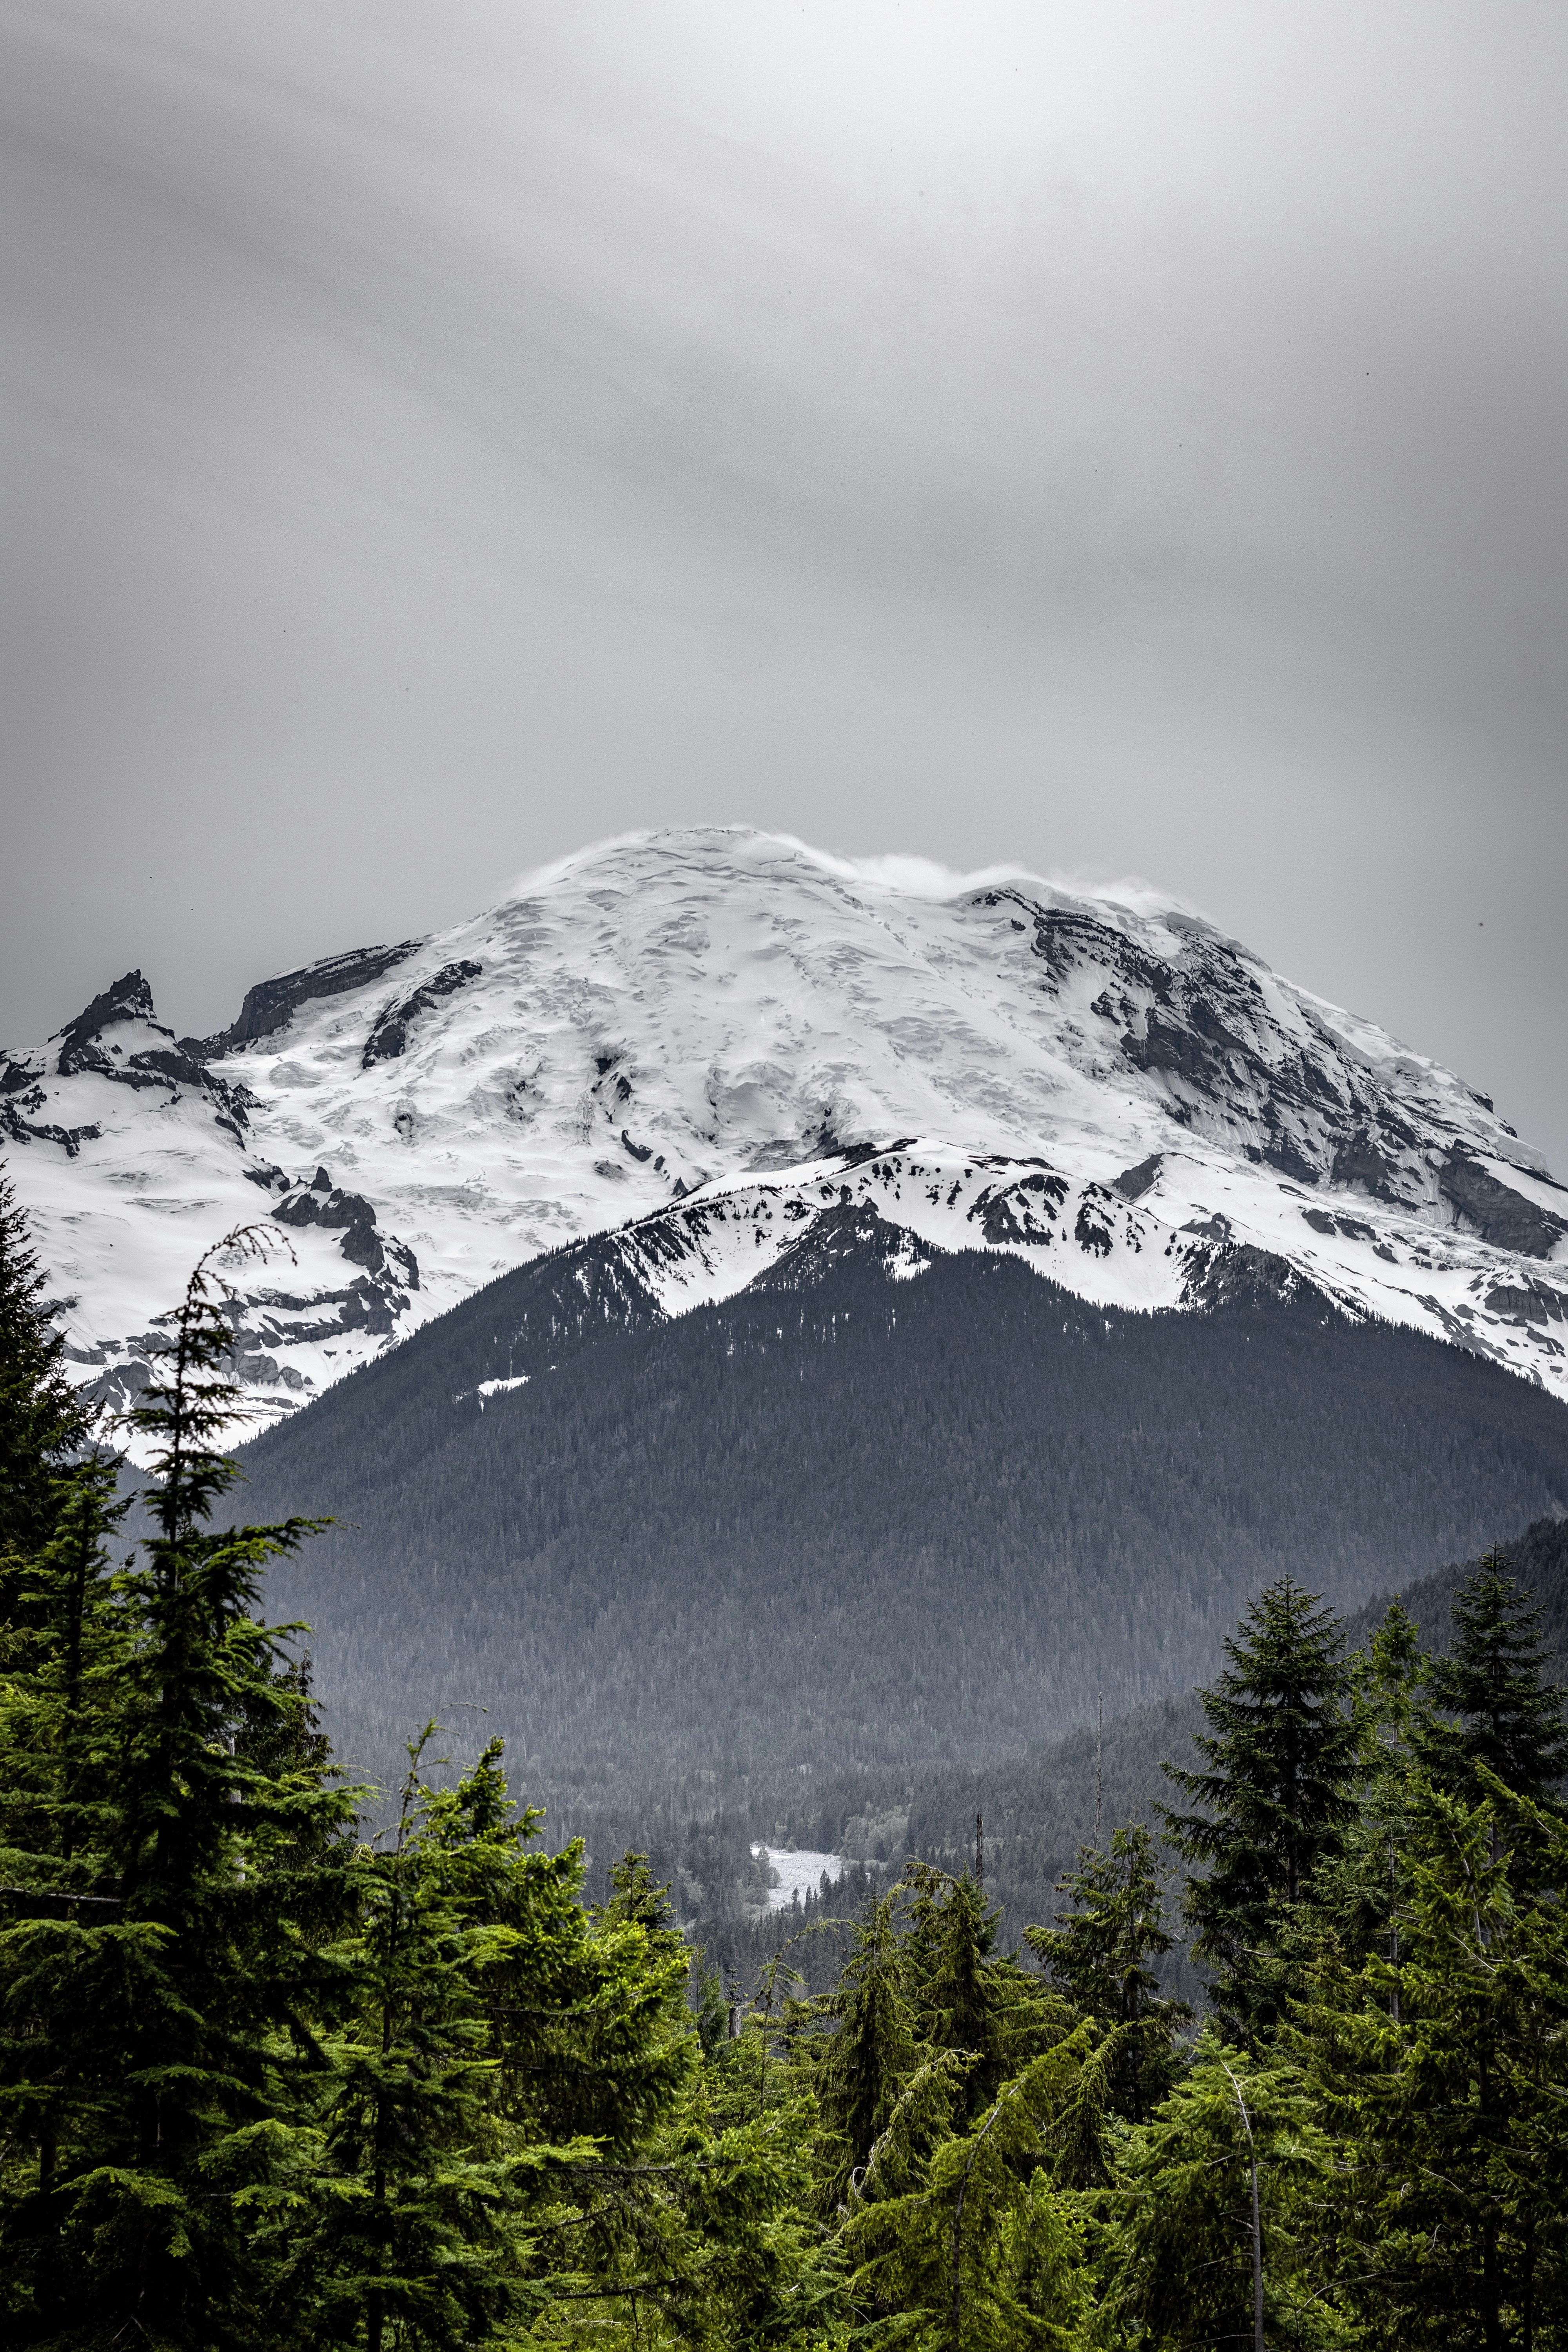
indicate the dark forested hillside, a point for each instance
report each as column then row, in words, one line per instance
column 1038, row 1808
column 870, row 1522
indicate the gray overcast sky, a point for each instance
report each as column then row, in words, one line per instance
column 1125, row 438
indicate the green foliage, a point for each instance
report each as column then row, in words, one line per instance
column 42, row 1426
column 1278, row 1796
column 957, row 2239
column 1177, row 2245
column 870, row 2057
column 1099, row 1954
column 1444, row 2073
column 415, row 2195
column 161, row 1942
column 1496, row 1712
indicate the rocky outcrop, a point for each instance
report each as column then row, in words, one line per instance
column 271, row 1003
column 1495, row 1211
column 389, row 1038
column 351, row 1216
column 117, row 1037
column 1252, row 1067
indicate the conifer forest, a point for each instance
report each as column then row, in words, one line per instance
column 1278, row 2060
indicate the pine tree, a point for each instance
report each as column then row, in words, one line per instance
column 1278, row 1796
column 1099, row 1954
column 1504, row 1715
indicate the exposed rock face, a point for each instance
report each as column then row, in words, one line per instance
column 117, row 1038
column 351, row 1216
column 272, row 1003
column 1496, row 1212
column 165, row 1118
column 1133, row 1182
column 1235, row 1058
column 390, row 1036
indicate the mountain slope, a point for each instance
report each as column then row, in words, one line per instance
column 856, row 1516
column 675, row 1012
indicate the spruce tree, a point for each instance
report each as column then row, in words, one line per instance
column 1276, row 1796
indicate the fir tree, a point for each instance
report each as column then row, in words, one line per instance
column 1099, row 1954
column 957, row 2237
column 177, row 1988
column 1181, row 2261
column 1278, row 1795
column 1358, row 1892
column 870, row 2055
column 43, row 1424
column 1441, row 2072
column 963, row 1996
column 416, row 2240
column 1504, row 1717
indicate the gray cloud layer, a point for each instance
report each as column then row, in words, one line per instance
column 1125, row 438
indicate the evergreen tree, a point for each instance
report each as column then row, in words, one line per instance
column 1099, row 1954
column 43, row 1424
column 959, row 2241
column 418, row 2238
column 1441, row 2072
column 1278, row 1795
column 1497, row 1712
column 1180, row 2261
column 60, row 1706
column 870, row 2057
column 962, row 1996
column 173, row 1989
column 1358, row 1892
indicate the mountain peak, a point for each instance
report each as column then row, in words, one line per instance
column 668, row 1012
column 129, row 999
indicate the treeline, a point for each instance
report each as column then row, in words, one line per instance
column 268, row 2083
column 884, row 1525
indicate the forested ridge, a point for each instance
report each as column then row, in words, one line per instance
column 269, row 2081
column 871, row 1522
column 1036, row 1808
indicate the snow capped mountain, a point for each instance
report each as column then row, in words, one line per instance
column 736, row 1048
